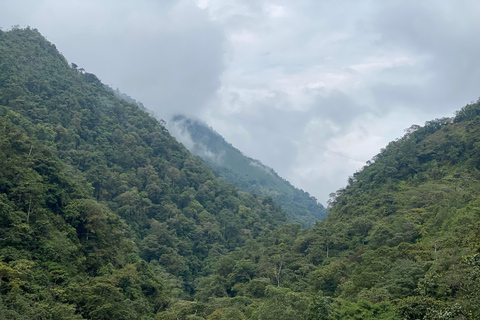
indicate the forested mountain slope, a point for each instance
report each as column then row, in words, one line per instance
column 103, row 215
column 401, row 241
column 247, row 173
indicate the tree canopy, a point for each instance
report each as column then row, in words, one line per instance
column 103, row 215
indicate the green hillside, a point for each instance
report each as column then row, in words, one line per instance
column 246, row 173
column 103, row 215
column 401, row 241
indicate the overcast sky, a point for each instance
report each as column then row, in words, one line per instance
column 311, row 88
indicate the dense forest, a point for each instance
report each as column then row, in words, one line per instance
column 103, row 215
column 248, row 174
column 99, row 204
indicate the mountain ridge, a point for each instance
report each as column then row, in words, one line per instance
column 249, row 174
column 103, row 215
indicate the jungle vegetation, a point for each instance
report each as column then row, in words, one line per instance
column 103, row 215
column 248, row 174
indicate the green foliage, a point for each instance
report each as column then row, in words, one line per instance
column 400, row 242
column 282, row 304
column 248, row 174
column 98, row 202
column 103, row 215
column 364, row 310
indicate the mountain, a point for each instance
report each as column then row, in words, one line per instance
column 246, row 173
column 123, row 96
column 401, row 241
column 104, row 215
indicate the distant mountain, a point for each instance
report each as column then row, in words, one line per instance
column 249, row 174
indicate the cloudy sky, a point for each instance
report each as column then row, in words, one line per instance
column 312, row 88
